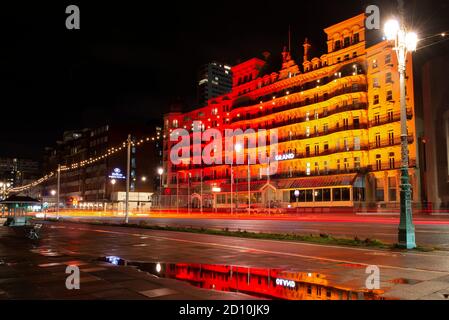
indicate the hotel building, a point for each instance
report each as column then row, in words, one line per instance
column 338, row 123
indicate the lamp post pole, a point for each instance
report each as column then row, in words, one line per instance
column 297, row 198
column 177, row 193
column 201, row 201
column 128, row 169
column 232, row 194
column 249, row 186
column 58, row 189
column 406, row 227
column 160, row 171
column 405, row 42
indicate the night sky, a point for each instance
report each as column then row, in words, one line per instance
column 130, row 60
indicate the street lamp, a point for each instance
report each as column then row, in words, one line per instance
column 160, row 171
column 144, row 179
column 404, row 42
column 297, row 198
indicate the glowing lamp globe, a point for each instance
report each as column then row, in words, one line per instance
column 411, row 41
column 391, row 29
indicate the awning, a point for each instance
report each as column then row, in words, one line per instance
column 318, row 182
column 19, row 200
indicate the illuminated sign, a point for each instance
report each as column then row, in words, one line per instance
column 283, row 157
column 117, row 174
column 285, row 283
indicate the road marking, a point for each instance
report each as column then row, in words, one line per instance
column 265, row 251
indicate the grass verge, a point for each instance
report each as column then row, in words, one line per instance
column 317, row 239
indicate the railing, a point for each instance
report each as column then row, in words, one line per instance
column 361, row 126
column 395, row 117
column 389, row 142
column 300, row 104
column 346, row 72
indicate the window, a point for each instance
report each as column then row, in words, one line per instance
column 307, row 150
column 356, row 38
column 356, row 143
column 326, row 167
column 390, row 115
column 326, row 195
column 345, row 194
column 388, row 59
column 356, row 122
column 308, row 169
column 346, row 144
column 391, row 160
column 388, row 78
column 326, row 146
column 378, row 140
column 337, row 45
column 376, row 99
column 389, row 95
column 377, row 118
column 326, row 128
column 336, row 194
column 338, row 166
column 376, row 83
column 375, row 64
column 175, row 123
column 392, row 189
column 307, row 131
column 391, row 137
column 357, row 163
column 347, row 42
column 378, row 162
column 346, row 164
column 317, row 168
column 346, row 124
column 317, row 149
column 380, row 190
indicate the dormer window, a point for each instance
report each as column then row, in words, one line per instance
column 337, row 45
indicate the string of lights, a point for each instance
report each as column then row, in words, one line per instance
column 84, row 163
column 443, row 36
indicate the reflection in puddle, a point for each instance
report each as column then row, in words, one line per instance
column 257, row 282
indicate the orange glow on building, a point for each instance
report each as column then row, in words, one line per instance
column 338, row 119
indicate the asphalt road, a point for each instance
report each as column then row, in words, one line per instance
column 405, row 275
column 430, row 233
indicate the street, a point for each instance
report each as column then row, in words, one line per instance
column 111, row 260
column 430, row 231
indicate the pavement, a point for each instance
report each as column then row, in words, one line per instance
column 431, row 231
column 37, row 270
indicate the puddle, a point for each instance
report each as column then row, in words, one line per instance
column 276, row 284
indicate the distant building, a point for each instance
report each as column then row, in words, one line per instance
column 434, row 140
column 94, row 184
column 18, row 171
column 215, row 79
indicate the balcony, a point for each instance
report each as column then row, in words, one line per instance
column 395, row 117
column 303, row 103
column 361, row 126
column 389, row 142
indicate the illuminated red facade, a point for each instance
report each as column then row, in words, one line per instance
column 337, row 118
